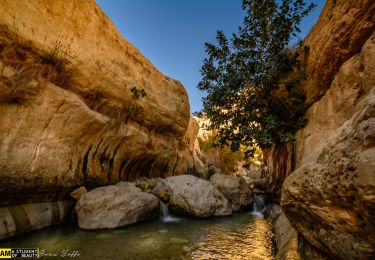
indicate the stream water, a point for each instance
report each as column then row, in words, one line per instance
column 240, row 236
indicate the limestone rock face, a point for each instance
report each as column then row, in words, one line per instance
column 280, row 163
column 285, row 235
column 188, row 156
column 115, row 206
column 323, row 198
column 103, row 62
column 21, row 219
column 351, row 85
column 342, row 29
column 331, row 201
column 94, row 112
column 234, row 188
column 195, row 197
column 329, row 194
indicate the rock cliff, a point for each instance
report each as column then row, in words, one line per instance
column 81, row 106
column 339, row 34
column 328, row 195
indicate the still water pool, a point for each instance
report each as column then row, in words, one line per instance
column 240, row 236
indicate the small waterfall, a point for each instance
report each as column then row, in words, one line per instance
column 259, row 205
column 165, row 216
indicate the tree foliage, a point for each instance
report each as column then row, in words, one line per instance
column 251, row 80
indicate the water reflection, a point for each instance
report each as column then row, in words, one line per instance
column 235, row 242
column 241, row 236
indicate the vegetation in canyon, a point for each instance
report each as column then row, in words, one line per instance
column 96, row 137
column 222, row 157
column 252, row 79
column 51, row 65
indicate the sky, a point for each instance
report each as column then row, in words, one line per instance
column 171, row 33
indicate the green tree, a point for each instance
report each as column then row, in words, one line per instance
column 251, row 80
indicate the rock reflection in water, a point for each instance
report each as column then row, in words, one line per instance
column 232, row 242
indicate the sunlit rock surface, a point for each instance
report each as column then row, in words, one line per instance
column 340, row 35
column 329, row 197
column 331, row 202
column 342, row 29
column 332, row 156
column 78, row 121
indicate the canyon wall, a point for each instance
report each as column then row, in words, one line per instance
column 329, row 192
column 81, row 106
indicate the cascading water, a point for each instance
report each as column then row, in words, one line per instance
column 165, row 216
column 259, row 205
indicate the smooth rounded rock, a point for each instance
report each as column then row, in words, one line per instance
column 77, row 193
column 115, row 206
column 234, row 188
column 196, row 197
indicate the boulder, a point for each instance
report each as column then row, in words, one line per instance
column 129, row 186
column 235, row 189
column 154, row 186
column 212, row 170
column 115, row 206
column 256, row 174
column 161, row 190
column 196, row 197
column 77, row 193
column 331, row 201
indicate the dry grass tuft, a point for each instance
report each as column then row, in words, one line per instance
column 23, row 85
column 51, row 65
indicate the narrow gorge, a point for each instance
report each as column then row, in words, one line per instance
column 100, row 154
